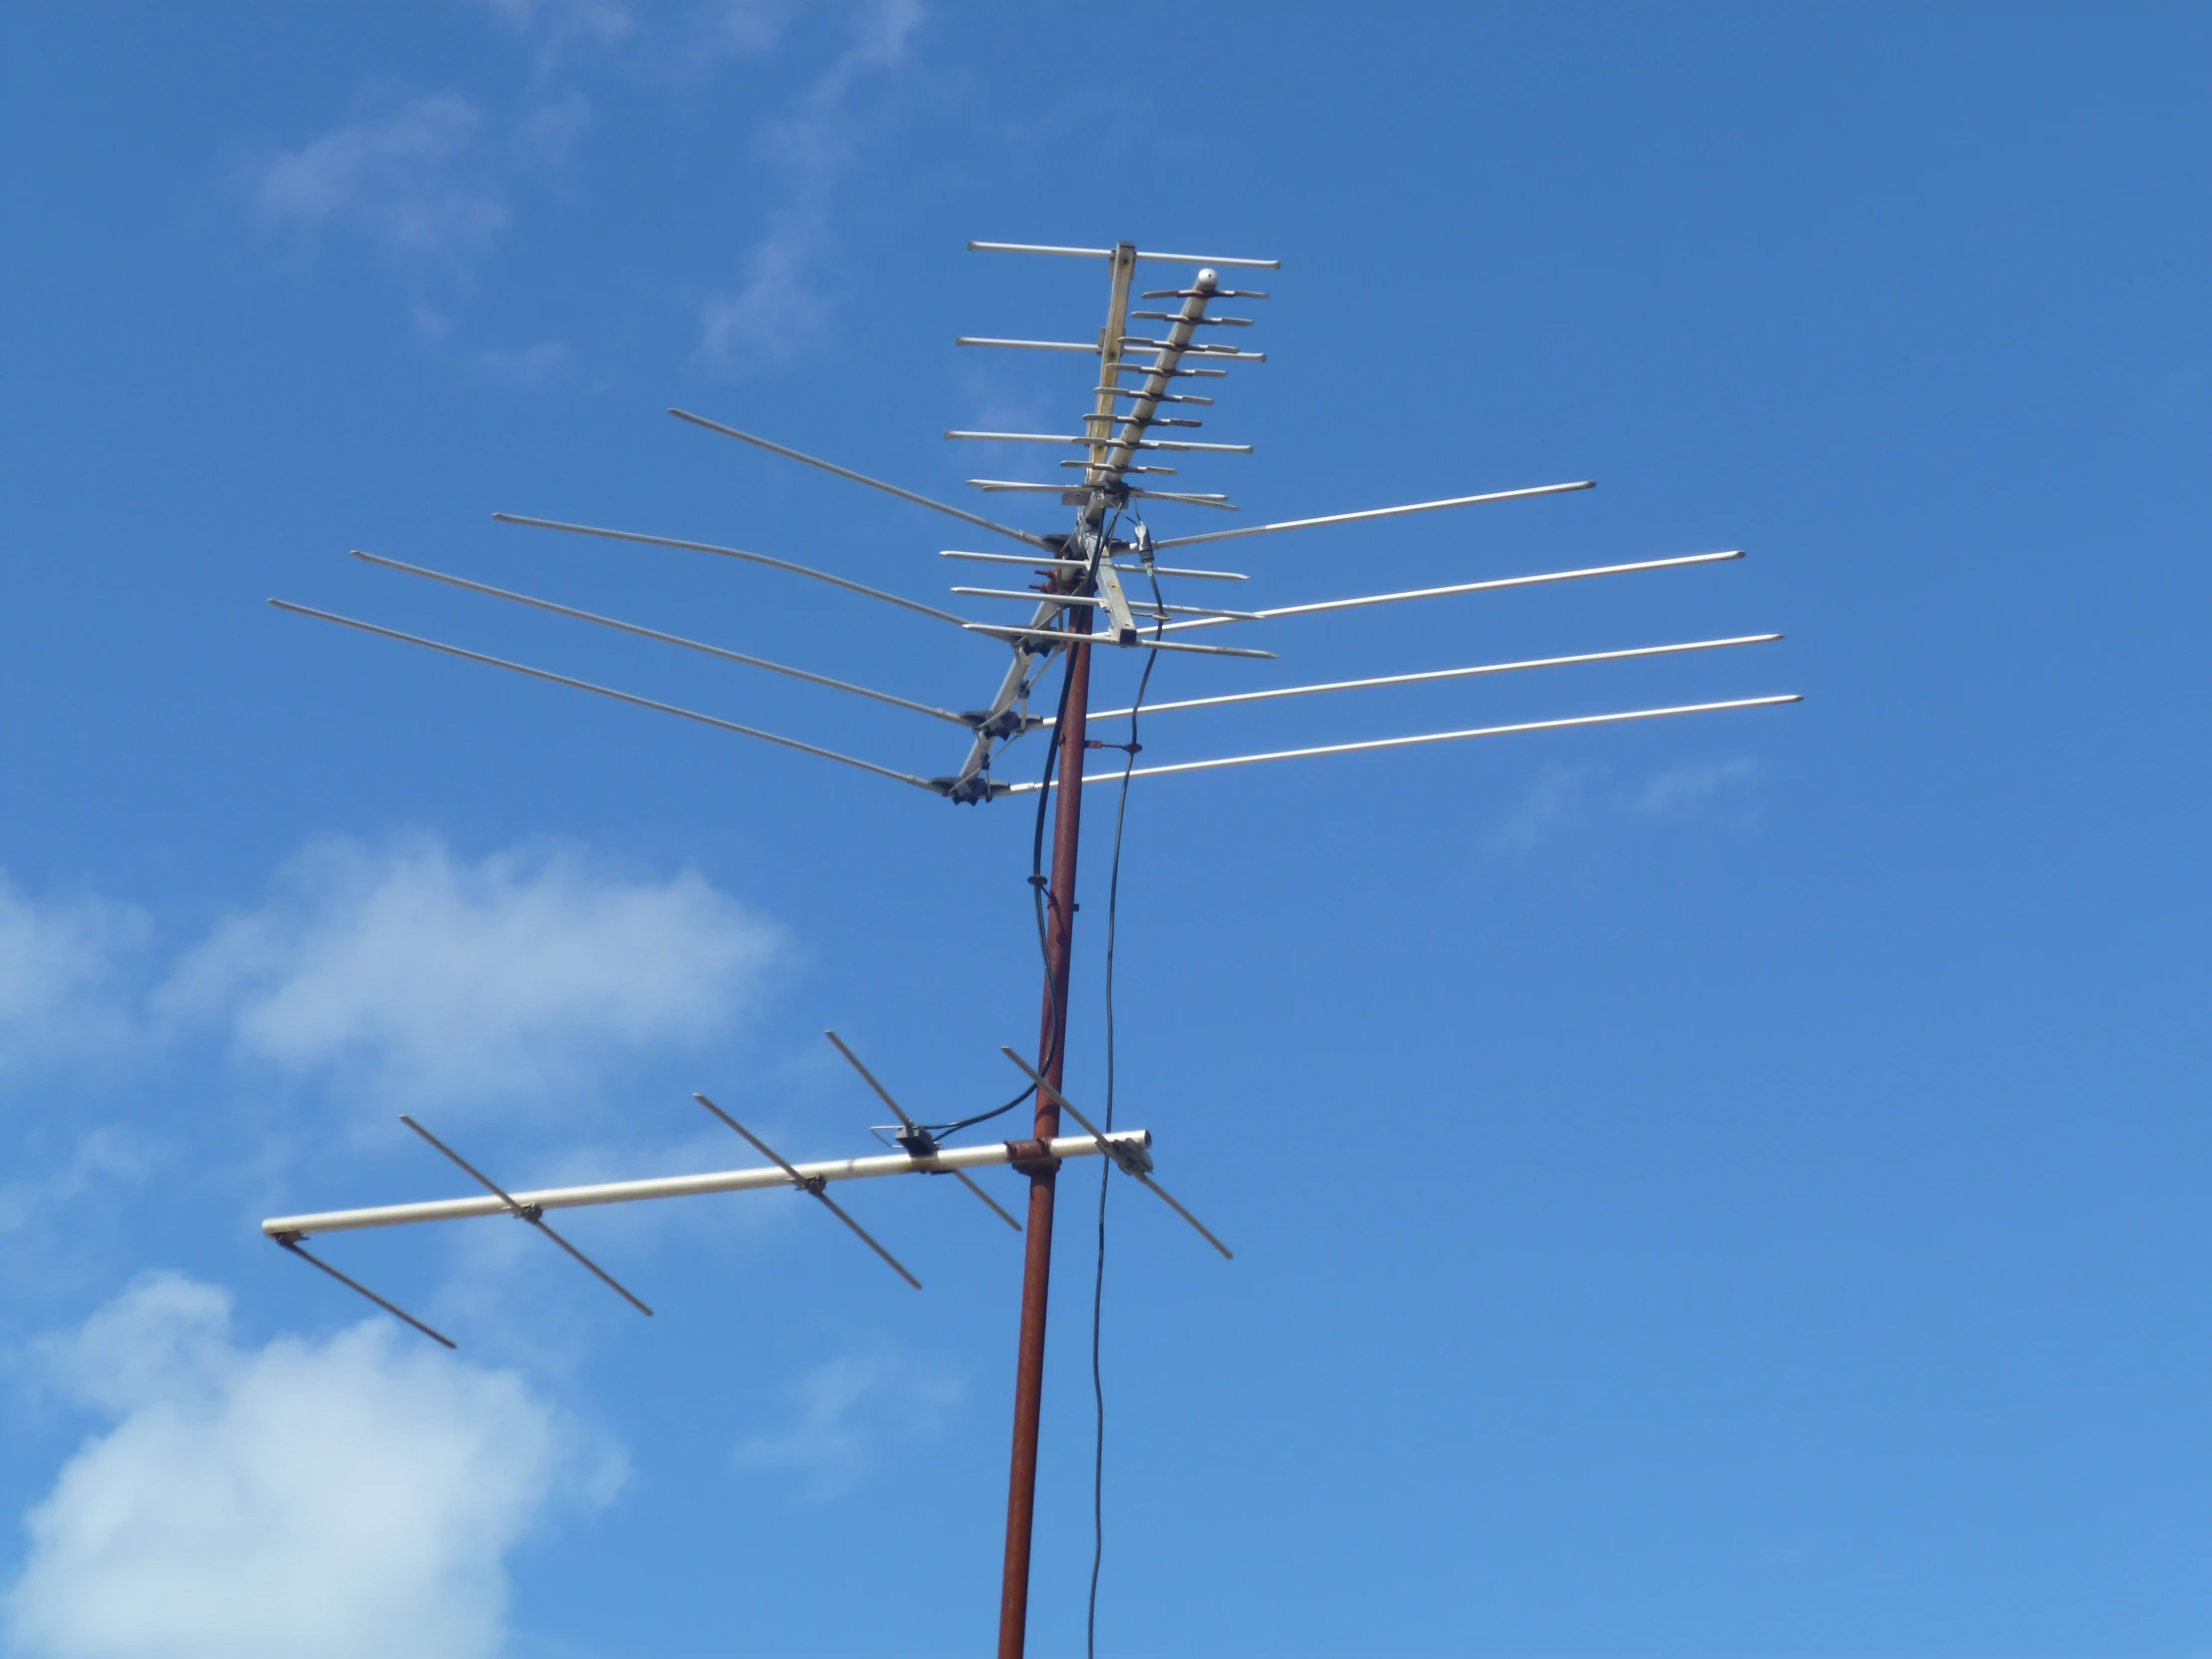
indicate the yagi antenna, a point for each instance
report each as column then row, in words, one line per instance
column 1131, row 428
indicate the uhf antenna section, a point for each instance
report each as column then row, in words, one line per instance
column 1101, row 583
column 1158, row 364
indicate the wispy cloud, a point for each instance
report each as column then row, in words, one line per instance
column 779, row 303
column 426, row 181
column 62, row 971
column 437, row 978
column 1566, row 799
column 1556, row 802
column 351, row 1498
column 1713, row 792
column 844, row 1410
column 407, row 179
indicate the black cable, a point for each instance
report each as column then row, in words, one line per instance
column 1098, row 1284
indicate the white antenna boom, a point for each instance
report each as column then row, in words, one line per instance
column 984, row 1155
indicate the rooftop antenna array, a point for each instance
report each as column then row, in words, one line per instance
column 1099, row 583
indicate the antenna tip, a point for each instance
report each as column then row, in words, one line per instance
column 1207, row 280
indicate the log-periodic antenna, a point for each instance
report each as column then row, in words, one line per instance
column 1100, row 583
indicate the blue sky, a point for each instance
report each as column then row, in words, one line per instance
column 1714, row 1188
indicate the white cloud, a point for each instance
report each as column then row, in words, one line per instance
column 844, row 1411
column 437, row 978
column 62, row 967
column 781, row 303
column 407, row 178
column 1553, row 804
column 1712, row 791
column 354, row 1497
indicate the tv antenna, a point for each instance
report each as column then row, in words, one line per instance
column 1102, row 583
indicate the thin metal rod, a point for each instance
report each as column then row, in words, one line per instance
column 997, row 1209
column 1032, row 561
column 528, row 1213
column 1145, row 644
column 1135, row 443
column 899, row 1111
column 983, row 1155
column 1108, row 253
column 864, row 478
column 1033, row 594
column 812, row 1186
column 1221, row 502
column 1080, row 564
column 1194, row 575
column 1443, row 674
column 1029, row 344
column 607, row 690
column 1379, row 512
column 397, row 1312
column 666, row 639
column 1444, row 737
column 1495, row 585
column 726, row 553
column 1128, row 1167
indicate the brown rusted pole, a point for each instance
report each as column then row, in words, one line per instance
column 1036, row 1271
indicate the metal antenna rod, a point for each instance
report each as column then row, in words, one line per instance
column 813, row 1186
column 290, row 1241
column 526, row 1211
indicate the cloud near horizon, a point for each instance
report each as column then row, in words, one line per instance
column 355, row 1498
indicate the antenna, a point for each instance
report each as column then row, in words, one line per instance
column 1098, row 584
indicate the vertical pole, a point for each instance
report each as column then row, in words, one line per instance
column 1036, row 1267
column 1067, row 834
